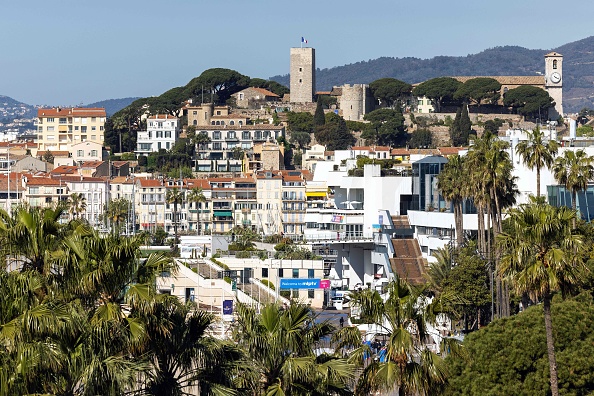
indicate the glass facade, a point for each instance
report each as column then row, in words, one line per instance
column 559, row 196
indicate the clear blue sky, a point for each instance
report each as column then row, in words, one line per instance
column 66, row 52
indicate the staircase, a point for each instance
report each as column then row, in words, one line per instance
column 408, row 261
column 256, row 293
column 400, row 222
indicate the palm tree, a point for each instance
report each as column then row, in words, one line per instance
column 77, row 204
column 196, row 196
column 182, row 354
column 201, row 140
column 542, row 255
column 574, row 170
column 409, row 365
column 451, row 184
column 175, row 196
column 536, row 153
column 280, row 350
column 117, row 212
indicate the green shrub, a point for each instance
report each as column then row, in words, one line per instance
column 268, row 283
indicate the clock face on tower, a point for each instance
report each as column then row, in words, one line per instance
column 555, row 77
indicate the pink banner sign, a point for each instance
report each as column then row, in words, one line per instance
column 325, row 284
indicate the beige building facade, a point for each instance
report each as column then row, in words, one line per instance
column 60, row 128
column 303, row 75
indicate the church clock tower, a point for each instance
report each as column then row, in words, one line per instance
column 554, row 82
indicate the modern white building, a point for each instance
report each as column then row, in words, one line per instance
column 162, row 131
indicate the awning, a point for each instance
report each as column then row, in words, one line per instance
column 222, row 213
column 316, row 194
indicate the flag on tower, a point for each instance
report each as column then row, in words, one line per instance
column 303, row 40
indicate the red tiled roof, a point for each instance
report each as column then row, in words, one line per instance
column 371, row 148
column 450, row 150
column 82, row 179
column 43, row 181
column 72, row 112
column 150, row 183
column 64, row 169
column 399, row 151
column 91, row 164
column 265, row 92
column 162, row 117
column 57, row 153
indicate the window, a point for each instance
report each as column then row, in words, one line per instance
column 51, row 119
column 300, row 69
column 555, row 64
column 194, row 112
column 216, row 146
column 300, row 80
column 295, row 272
column 421, row 102
column 93, row 137
column 310, row 273
column 281, row 273
column 159, row 134
column 80, row 153
column 50, row 137
column 216, row 135
column 83, row 129
column 93, row 153
column 159, row 145
column 50, row 128
column 101, row 128
column 33, row 190
column 167, row 145
column 76, row 127
column 218, row 112
column 310, row 293
column 246, row 135
column 231, row 122
column 62, row 120
column 167, row 134
column 295, row 294
column 264, row 272
column 93, row 128
column 231, row 135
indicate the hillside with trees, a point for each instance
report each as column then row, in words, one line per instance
column 499, row 61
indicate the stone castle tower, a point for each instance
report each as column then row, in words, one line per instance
column 355, row 101
column 554, row 81
column 303, row 75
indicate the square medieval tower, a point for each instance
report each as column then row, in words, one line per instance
column 303, row 75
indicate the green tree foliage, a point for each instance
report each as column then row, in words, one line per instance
column 389, row 91
column 440, row 90
column 574, row 170
column 493, row 126
column 509, row 357
column 270, row 85
column 334, row 134
column 529, row 101
column 541, row 256
column 388, row 127
column 218, row 82
column 301, row 139
column 280, row 353
column 480, row 90
column 300, row 122
column 537, row 153
column 319, row 118
column 461, row 127
column 409, row 365
column 421, row 138
column 452, row 187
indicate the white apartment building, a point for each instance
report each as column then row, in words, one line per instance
column 59, row 128
column 162, row 131
column 86, row 151
column 96, row 193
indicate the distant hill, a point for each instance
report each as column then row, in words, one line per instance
column 11, row 108
column 112, row 106
column 578, row 69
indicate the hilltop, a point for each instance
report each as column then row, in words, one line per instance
column 578, row 69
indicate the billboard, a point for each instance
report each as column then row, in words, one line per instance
column 228, row 307
column 297, row 283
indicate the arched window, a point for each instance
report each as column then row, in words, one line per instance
column 555, row 64
column 231, row 122
column 212, row 123
column 218, row 123
column 505, row 90
column 195, row 122
column 240, row 122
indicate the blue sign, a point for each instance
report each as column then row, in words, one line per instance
column 296, row 283
column 228, row 307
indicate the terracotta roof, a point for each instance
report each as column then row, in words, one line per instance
column 43, row 181
column 323, row 92
column 91, row 164
column 122, row 180
column 64, row 170
column 450, row 150
column 425, row 151
column 57, row 153
column 266, row 92
column 508, row 80
column 72, row 112
column 224, row 117
column 199, row 183
column 292, row 178
column 399, row 151
column 18, row 144
column 327, row 153
column 162, row 117
column 118, row 164
column 371, row 148
column 150, row 183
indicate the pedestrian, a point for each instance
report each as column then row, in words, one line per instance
column 341, row 321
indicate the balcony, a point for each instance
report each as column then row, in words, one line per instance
column 231, row 139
